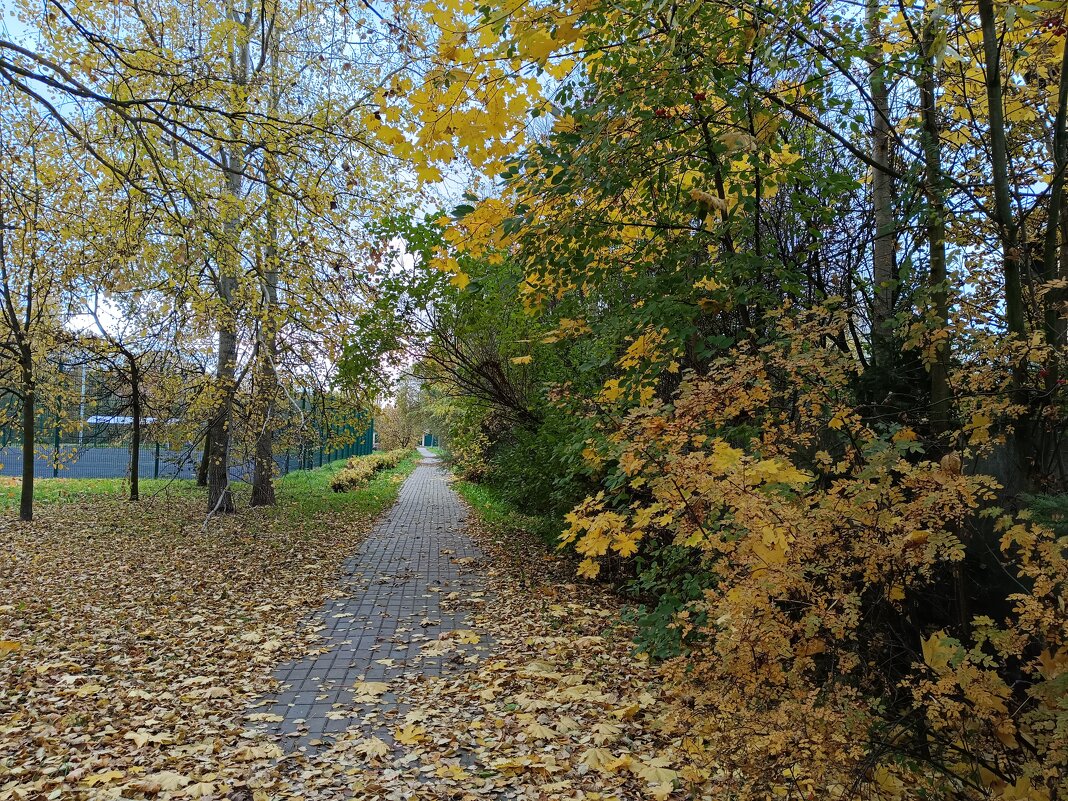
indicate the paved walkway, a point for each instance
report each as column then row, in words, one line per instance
column 398, row 610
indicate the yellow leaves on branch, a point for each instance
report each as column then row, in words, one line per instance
column 745, row 490
column 810, row 517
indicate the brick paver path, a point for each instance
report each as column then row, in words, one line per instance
column 397, row 598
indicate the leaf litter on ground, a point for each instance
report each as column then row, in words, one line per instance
column 144, row 640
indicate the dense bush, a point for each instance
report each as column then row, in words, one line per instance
column 361, row 469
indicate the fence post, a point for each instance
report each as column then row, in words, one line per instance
column 155, row 467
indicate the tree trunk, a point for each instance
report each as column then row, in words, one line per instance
column 884, row 276
column 220, row 497
column 1052, row 247
column 267, row 390
column 999, row 169
column 135, row 430
column 934, row 189
column 28, row 425
column 205, row 458
column 266, row 382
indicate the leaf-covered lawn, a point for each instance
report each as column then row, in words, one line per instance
column 142, row 635
column 144, row 638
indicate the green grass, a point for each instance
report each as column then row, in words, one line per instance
column 302, row 494
column 72, row 490
column 502, row 516
column 307, row 493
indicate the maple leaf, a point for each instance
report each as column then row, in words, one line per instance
column 597, row 758
column 268, row 717
column 409, row 735
column 364, row 690
column 454, row 772
column 103, row 777
column 141, row 737
column 373, row 748
column 567, row 725
column 606, row 732
column 540, row 731
column 589, row 568
column 465, row 636
column 8, row 647
column 655, row 771
column 250, row 753
column 163, row 781
column 200, row 790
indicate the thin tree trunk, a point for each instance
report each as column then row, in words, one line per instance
column 263, row 493
column 135, row 430
column 934, row 188
column 1053, row 246
column 884, row 275
column 266, row 382
column 267, row 389
column 28, row 425
column 999, row 168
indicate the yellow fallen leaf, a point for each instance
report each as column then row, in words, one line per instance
column 654, row 773
column 163, row 781
column 8, row 647
column 268, row 717
column 363, row 690
column 103, row 777
column 200, row 790
column 409, row 735
column 452, row 772
column 250, row 753
column 540, row 731
column 373, row 747
column 140, row 737
column 596, row 758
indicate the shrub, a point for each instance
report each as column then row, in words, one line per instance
column 361, row 469
column 847, row 633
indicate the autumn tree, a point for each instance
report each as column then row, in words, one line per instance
column 39, row 194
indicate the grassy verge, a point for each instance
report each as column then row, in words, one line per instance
column 307, row 493
column 302, row 495
column 72, row 490
column 502, row 517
